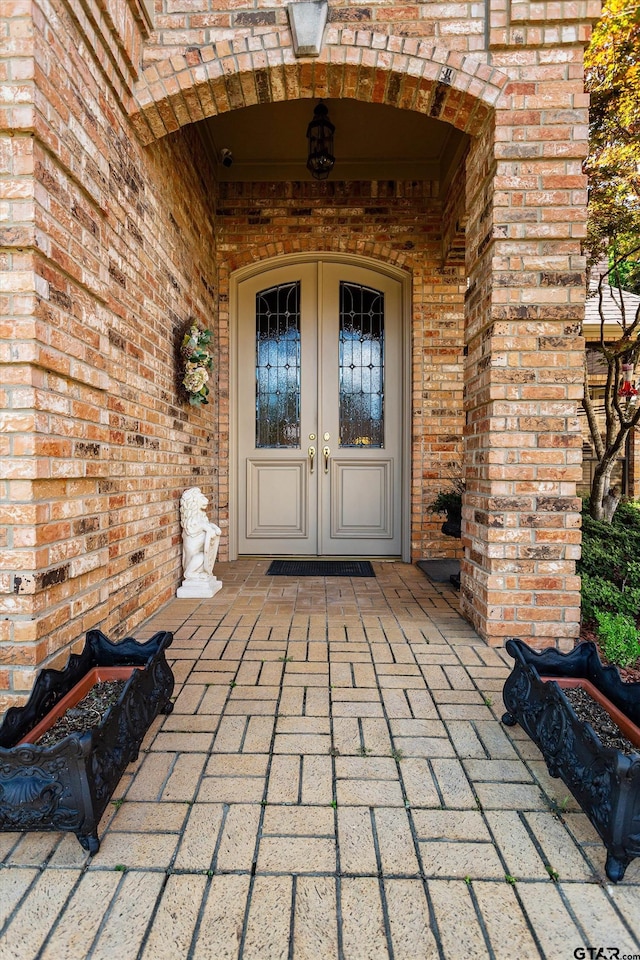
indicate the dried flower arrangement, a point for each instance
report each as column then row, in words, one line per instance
column 197, row 360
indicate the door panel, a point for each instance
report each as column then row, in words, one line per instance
column 361, row 499
column 320, row 372
column 361, row 386
column 277, row 499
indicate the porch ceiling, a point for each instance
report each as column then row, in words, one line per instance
column 372, row 142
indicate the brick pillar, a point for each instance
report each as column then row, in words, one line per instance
column 526, row 200
column 18, row 377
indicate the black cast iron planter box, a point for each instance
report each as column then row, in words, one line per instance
column 68, row 785
column 604, row 781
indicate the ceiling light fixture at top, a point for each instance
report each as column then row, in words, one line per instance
column 320, row 135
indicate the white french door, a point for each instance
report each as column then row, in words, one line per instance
column 320, row 411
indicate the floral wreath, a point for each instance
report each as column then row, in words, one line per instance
column 197, row 359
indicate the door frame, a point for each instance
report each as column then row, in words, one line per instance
column 369, row 263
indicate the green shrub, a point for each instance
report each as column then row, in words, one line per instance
column 632, row 574
column 601, row 594
column 618, row 637
column 610, row 563
column 602, row 560
column 628, row 515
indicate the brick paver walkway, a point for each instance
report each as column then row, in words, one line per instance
column 333, row 783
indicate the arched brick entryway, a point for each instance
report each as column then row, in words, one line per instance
column 109, row 249
column 524, row 296
column 400, row 72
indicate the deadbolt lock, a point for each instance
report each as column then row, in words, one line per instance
column 326, row 436
column 312, row 436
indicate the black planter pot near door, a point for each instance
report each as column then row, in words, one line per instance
column 68, row 785
column 604, row 781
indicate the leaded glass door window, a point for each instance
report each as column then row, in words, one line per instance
column 278, row 366
column 320, row 426
column 361, row 360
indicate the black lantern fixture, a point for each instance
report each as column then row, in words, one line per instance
column 320, row 134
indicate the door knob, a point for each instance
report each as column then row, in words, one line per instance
column 312, row 456
column 326, row 453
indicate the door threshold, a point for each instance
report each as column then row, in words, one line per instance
column 320, row 556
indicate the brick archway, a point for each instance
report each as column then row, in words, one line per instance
column 523, row 208
column 378, row 252
column 125, row 238
column 373, row 68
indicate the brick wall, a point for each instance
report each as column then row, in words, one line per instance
column 181, row 24
column 109, row 252
column 457, row 26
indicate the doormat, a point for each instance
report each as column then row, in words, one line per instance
column 320, row 568
column 440, row 570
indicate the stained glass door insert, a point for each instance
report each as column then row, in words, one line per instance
column 278, row 366
column 361, row 362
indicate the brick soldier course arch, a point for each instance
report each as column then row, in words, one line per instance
column 374, row 68
column 111, row 219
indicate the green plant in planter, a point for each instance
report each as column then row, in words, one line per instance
column 450, row 502
column 447, row 501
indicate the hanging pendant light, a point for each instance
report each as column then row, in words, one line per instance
column 320, row 135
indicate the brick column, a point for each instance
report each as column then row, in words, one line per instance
column 526, row 200
column 18, row 292
column 106, row 251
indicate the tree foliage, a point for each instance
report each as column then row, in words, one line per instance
column 620, row 398
column 612, row 65
column 612, row 77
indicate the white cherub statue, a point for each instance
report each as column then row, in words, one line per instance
column 200, row 541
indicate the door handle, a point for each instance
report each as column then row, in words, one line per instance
column 312, row 455
column 326, row 453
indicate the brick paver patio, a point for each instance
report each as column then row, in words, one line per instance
column 333, row 783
